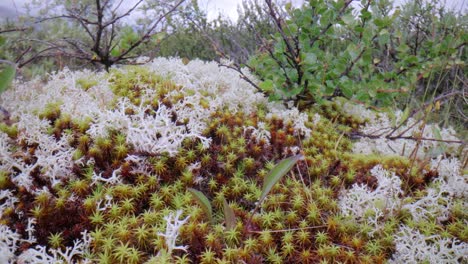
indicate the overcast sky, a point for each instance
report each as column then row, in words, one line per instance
column 213, row 7
column 226, row 7
column 229, row 7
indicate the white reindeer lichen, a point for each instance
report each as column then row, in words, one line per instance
column 412, row 247
column 173, row 225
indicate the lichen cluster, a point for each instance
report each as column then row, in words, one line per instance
column 103, row 177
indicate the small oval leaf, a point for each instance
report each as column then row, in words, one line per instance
column 229, row 216
column 203, row 201
column 267, row 85
column 281, row 169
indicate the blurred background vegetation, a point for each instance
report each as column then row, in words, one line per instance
column 411, row 57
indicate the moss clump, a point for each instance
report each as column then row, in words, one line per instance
column 86, row 84
column 133, row 82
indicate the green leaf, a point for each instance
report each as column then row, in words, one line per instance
column 229, row 216
column 347, row 92
column 367, row 57
column 329, row 87
column 266, row 86
column 281, row 169
column 362, row 96
column 353, row 51
column 383, row 22
column 313, row 87
column 274, row 97
column 358, row 29
column 403, row 48
column 310, row 58
column 6, row 77
column 295, row 90
column 372, row 92
column 384, row 37
column 203, row 201
column 411, row 60
column 115, row 52
column 348, row 19
column 347, row 89
column 291, row 29
column 2, row 40
column 365, row 15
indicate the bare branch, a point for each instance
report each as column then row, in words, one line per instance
column 129, row 11
column 360, row 135
column 422, row 107
column 149, row 32
column 23, row 54
column 13, row 30
column 100, row 28
column 236, row 67
column 325, row 29
column 279, row 26
column 8, row 62
column 39, row 54
column 84, row 23
column 233, row 65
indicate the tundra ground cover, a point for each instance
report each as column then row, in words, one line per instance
column 96, row 168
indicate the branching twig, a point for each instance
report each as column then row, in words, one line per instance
column 13, row 30
column 361, row 135
column 233, row 65
column 423, row 106
column 99, row 20
column 149, row 32
column 325, row 29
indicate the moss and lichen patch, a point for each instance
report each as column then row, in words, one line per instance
column 135, row 83
column 121, row 177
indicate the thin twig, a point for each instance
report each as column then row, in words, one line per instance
column 287, row 230
column 359, row 134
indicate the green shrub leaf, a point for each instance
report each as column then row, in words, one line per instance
column 348, row 19
column 310, row 58
column 347, row 90
column 267, row 85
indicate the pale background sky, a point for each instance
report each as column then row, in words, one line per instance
column 227, row 7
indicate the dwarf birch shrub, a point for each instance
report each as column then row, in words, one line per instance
column 373, row 54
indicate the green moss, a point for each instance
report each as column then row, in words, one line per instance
column 10, row 130
column 132, row 82
column 5, row 181
column 86, row 83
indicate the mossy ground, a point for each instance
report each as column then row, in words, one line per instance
column 299, row 222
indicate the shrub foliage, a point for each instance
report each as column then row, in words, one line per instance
column 371, row 54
